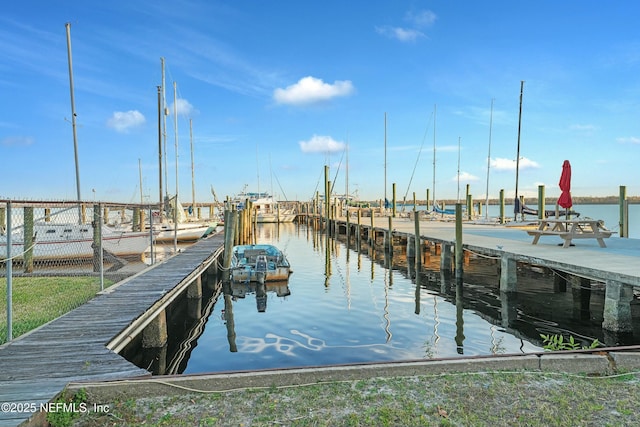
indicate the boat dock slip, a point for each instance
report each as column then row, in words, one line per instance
column 620, row 260
column 617, row 265
column 34, row 368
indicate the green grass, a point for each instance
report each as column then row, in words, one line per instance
column 472, row 399
column 38, row 300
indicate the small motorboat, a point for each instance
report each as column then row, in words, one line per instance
column 259, row 263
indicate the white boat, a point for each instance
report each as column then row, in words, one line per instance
column 188, row 230
column 266, row 208
column 259, row 263
column 57, row 241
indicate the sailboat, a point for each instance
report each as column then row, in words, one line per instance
column 170, row 221
column 436, row 208
column 67, row 241
column 518, row 206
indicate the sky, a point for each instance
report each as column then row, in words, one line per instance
column 269, row 92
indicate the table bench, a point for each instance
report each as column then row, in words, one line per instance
column 569, row 229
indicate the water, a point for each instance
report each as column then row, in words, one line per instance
column 341, row 306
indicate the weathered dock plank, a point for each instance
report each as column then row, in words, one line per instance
column 36, row 367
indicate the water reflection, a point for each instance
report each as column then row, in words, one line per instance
column 337, row 309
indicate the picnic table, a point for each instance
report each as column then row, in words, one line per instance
column 569, row 229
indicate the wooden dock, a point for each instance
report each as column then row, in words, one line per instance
column 617, row 265
column 34, row 368
column 619, row 261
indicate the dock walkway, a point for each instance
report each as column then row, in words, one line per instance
column 34, row 368
column 619, row 261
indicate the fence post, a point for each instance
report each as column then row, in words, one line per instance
column 97, row 239
column 100, row 221
column 9, row 277
column 28, row 239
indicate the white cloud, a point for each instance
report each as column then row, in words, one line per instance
column 465, row 177
column 321, row 144
column 398, row 33
column 423, row 18
column 309, row 90
column 583, row 128
column 629, row 140
column 184, row 107
column 502, row 164
column 123, row 121
column 15, row 141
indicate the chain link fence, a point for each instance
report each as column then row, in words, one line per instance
column 54, row 256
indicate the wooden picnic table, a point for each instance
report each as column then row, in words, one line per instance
column 569, row 229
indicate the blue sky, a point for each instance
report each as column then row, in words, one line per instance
column 277, row 89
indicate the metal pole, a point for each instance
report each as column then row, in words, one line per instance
column 9, row 276
column 175, row 210
column 153, row 261
column 99, row 225
column 434, row 157
column 193, row 188
column 160, row 113
column 518, row 151
column 489, row 161
column 165, row 113
column 385, row 161
column 73, row 111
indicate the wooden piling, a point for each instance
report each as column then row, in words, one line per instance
column 624, row 212
column 393, row 205
column 28, row 239
column 458, row 246
column 229, row 225
column 390, row 237
column 359, row 230
column 617, row 307
column 135, row 220
column 508, row 272
column 418, row 246
column 541, row 202
column 155, row 334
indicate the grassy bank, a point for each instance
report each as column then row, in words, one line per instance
column 470, row 399
column 38, row 300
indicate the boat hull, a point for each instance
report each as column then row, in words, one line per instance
column 73, row 241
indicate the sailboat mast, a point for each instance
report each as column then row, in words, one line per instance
column 486, row 203
column 385, row 160
column 516, row 202
column 73, row 111
column 175, row 127
column 165, row 112
column 434, row 156
column 140, row 177
column 193, row 185
column 160, row 113
column 458, row 196
column 346, row 184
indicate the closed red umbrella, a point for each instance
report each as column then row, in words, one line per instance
column 565, row 186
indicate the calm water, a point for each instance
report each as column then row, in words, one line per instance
column 342, row 307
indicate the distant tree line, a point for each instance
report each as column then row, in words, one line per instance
column 549, row 201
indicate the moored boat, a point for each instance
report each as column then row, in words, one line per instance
column 68, row 241
column 266, row 208
column 259, row 263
